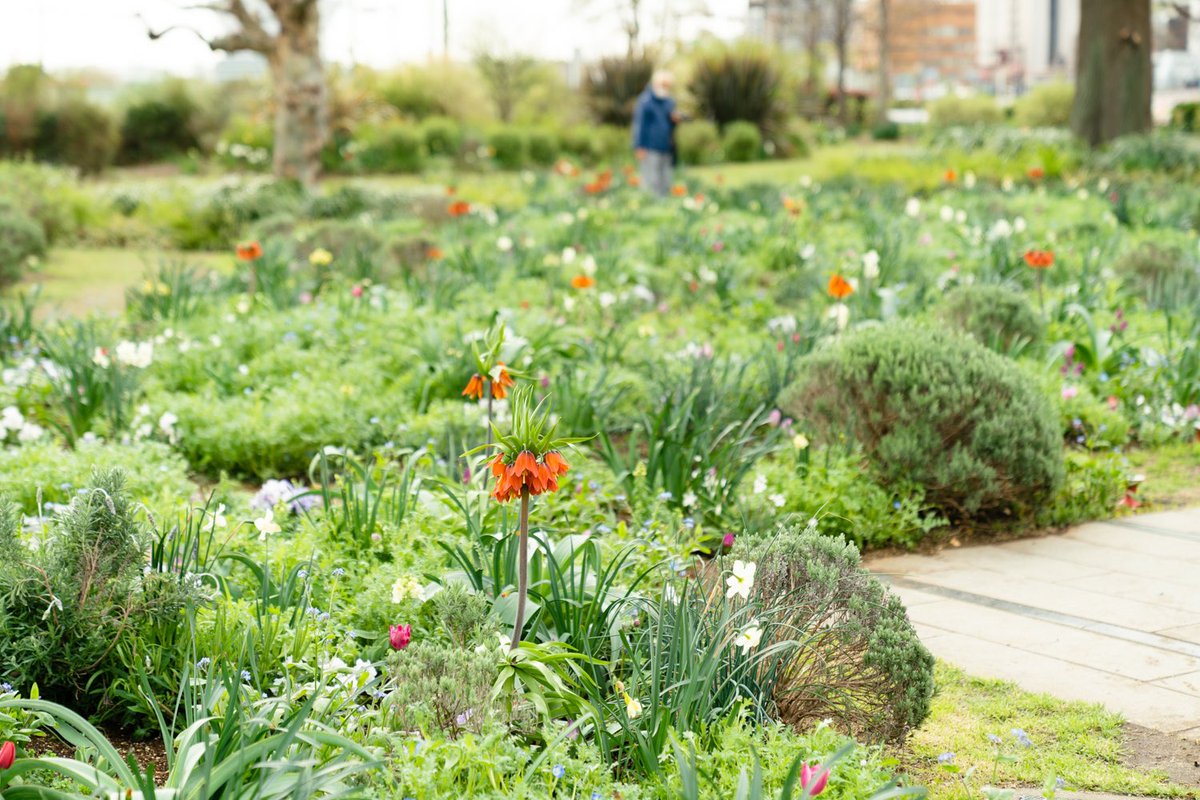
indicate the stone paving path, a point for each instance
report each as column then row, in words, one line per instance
column 1108, row 612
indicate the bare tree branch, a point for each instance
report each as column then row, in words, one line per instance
column 229, row 43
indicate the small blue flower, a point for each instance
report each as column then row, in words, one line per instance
column 203, row 663
column 5, row 687
column 302, row 573
column 602, row 528
column 1059, row 783
column 1103, row 377
column 1077, row 422
column 559, row 770
column 1022, row 737
column 1080, row 439
column 246, row 676
column 994, row 739
column 620, row 498
column 665, row 496
column 597, row 796
column 689, row 523
column 946, row 758
column 896, row 504
column 374, row 420
column 338, row 572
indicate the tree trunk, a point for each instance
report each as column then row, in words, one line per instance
column 301, row 113
column 843, row 16
column 1113, row 71
column 812, row 44
column 885, row 57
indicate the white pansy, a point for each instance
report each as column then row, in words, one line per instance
column 741, row 581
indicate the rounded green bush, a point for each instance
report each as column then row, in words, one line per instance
column 543, row 148
column 741, row 141
column 510, row 148
column 20, row 238
column 998, row 318
column 935, row 408
column 443, row 136
column 1045, row 106
column 860, row 661
column 84, row 136
column 975, row 110
column 394, row 148
column 698, row 142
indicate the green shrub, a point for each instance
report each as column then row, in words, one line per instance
column 84, row 136
column 886, row 132
column 66, row 605
column 795, row 141
column 741, row 141
column 860, row 661
column 1045, row 106
column 543, row 147
column 698, row 142
column 21, row 238
column 395, row 147
column 442, row 136
column 935, row 408
column 510, row 148
column 1160, row 151
column 740, row 82
column 1186, row 117
column 979, row 109
column 612, row 87
column 998, row 318
column 157, row 128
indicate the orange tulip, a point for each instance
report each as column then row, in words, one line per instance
column 840, row 288
column 249, row 251
column 1039, row 259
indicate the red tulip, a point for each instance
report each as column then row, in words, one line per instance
column 8, row 754
column 813, row 779
column 400, row 636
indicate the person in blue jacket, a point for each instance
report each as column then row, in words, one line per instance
column 654, row 121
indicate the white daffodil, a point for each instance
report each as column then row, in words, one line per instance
column 504, row 244
column 266, row 524
column 742, row 580
column 749, row 637
column 870, row 261
column 913, row 207
column 100, row 358
column 216, row 518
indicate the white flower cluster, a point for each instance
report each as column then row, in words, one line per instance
column 13, row 422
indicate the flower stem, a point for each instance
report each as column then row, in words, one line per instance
column 487, row 389
column 522, row 568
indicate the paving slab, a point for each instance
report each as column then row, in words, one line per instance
column 1108, row 612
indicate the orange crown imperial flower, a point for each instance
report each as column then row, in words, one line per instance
column 1039, row 259
column 529, row 460
column 490, row 372
column 840, row 288
column 679, row 190
column 249, row 251
column 459, row 208
column 1036, row 173
column 950, row 176
column 583, row 281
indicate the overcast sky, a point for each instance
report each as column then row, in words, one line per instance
column 64, row 34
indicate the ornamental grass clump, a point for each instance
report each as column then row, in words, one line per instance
column 937, row 409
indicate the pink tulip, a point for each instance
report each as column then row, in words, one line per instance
column 728, row 540
column 357, row 291
column 400, row 636
column 8, row 754
column 813, row 779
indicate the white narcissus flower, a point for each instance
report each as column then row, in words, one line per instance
column 839, row 313
column 568, row 255
column 135, row 354
column 741, row 581
column 947, row 213
column 217, row 518
column 100, row 358
column 266, row 524
column 749, row 637
column 504, row 244
column 913, row 207
column 870, row 261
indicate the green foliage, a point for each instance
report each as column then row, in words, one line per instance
column 738, row 83
column 431, row 685
column 741, row 141
column 510, row 147
column 857, row 645
column 543, row 147
column 21, row 239
column 1186, row 117
column 1047, row 105
column 159, row 126
column 1170, row 152
column 612, row 87
column 698, row 142
column 938, row 410
column 393, row 147
column 1163, row 276
column 951, row 110
column 998, row 317
column 442, row 136
column 84, row 136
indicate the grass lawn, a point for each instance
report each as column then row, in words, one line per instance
column 1172, row 475
column 79, row 281
column 1081, row 743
